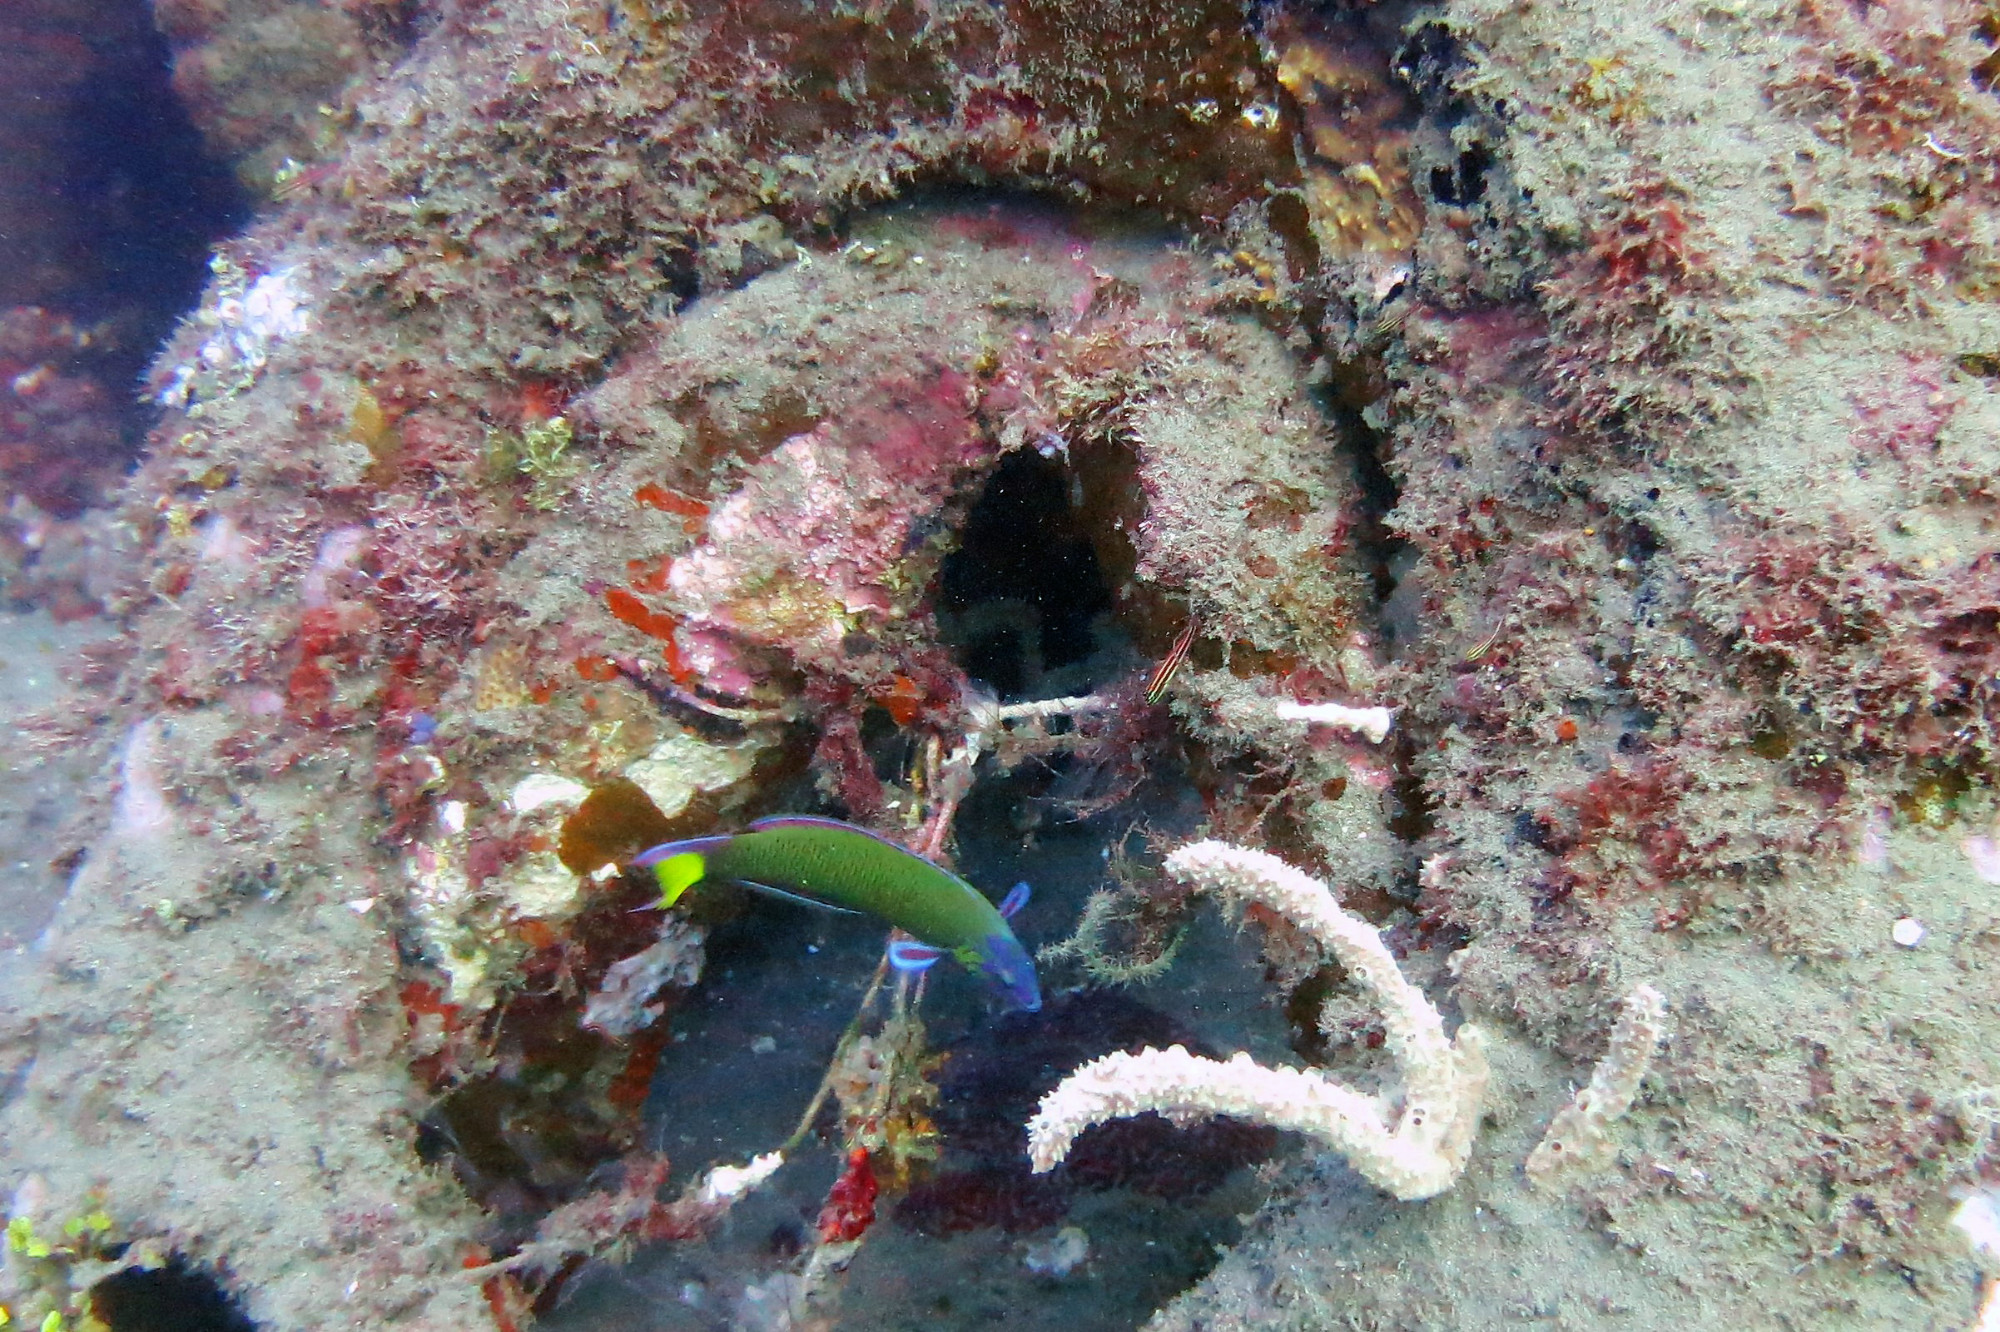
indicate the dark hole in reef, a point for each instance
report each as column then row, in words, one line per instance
column 1987, row 71
column 1302, row 1011
column 1379, row 495
column 1292, row 222
column 1430, row 60
column 1464, row 182
column 890, row 747
column 180, row 1297
column 146, row 202
column 683, row 283
column 117, row 244
column 1022, row 600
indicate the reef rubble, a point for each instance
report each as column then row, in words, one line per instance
column 598, row 440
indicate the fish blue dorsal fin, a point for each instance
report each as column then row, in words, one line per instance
column 1016, row 898
column 653, row 855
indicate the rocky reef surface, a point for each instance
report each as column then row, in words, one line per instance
column 630, row 420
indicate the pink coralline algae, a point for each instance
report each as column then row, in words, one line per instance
column 807, row 548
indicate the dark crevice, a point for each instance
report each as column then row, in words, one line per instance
column 1464, row 182
column 145, row 202
column 1431, row 61
column 107, row 211
column 1382, row 548
column 180, row 1297
column 1024, row 602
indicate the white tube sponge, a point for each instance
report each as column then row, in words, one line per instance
column 1371, row 723
column 1420, row 1154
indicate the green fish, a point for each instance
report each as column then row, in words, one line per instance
column 827, row 863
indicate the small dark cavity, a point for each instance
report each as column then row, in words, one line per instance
column 1464, row 182
column 180, row 1297
column 1429, row 60
column 1539, row 831
column 1024, row 594
column 683, row 284
column 1308, row 1040
column 1414, row 815
column 1637, row 541
column 1986, row 72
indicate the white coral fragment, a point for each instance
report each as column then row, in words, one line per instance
column 140, row 811
column 725, row 1184
column 1415, row 1146
column 536, row 887
column 1577, row 1137
column 681, row 765
column 245, row 321
column 1370, row 723
column 1978, row 1219
column 540, row 789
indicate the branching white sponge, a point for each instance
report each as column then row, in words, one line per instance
column 1414, row 1146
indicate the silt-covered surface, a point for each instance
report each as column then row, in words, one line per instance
column 638, row 401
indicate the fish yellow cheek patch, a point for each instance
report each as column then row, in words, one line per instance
column 679, row 873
